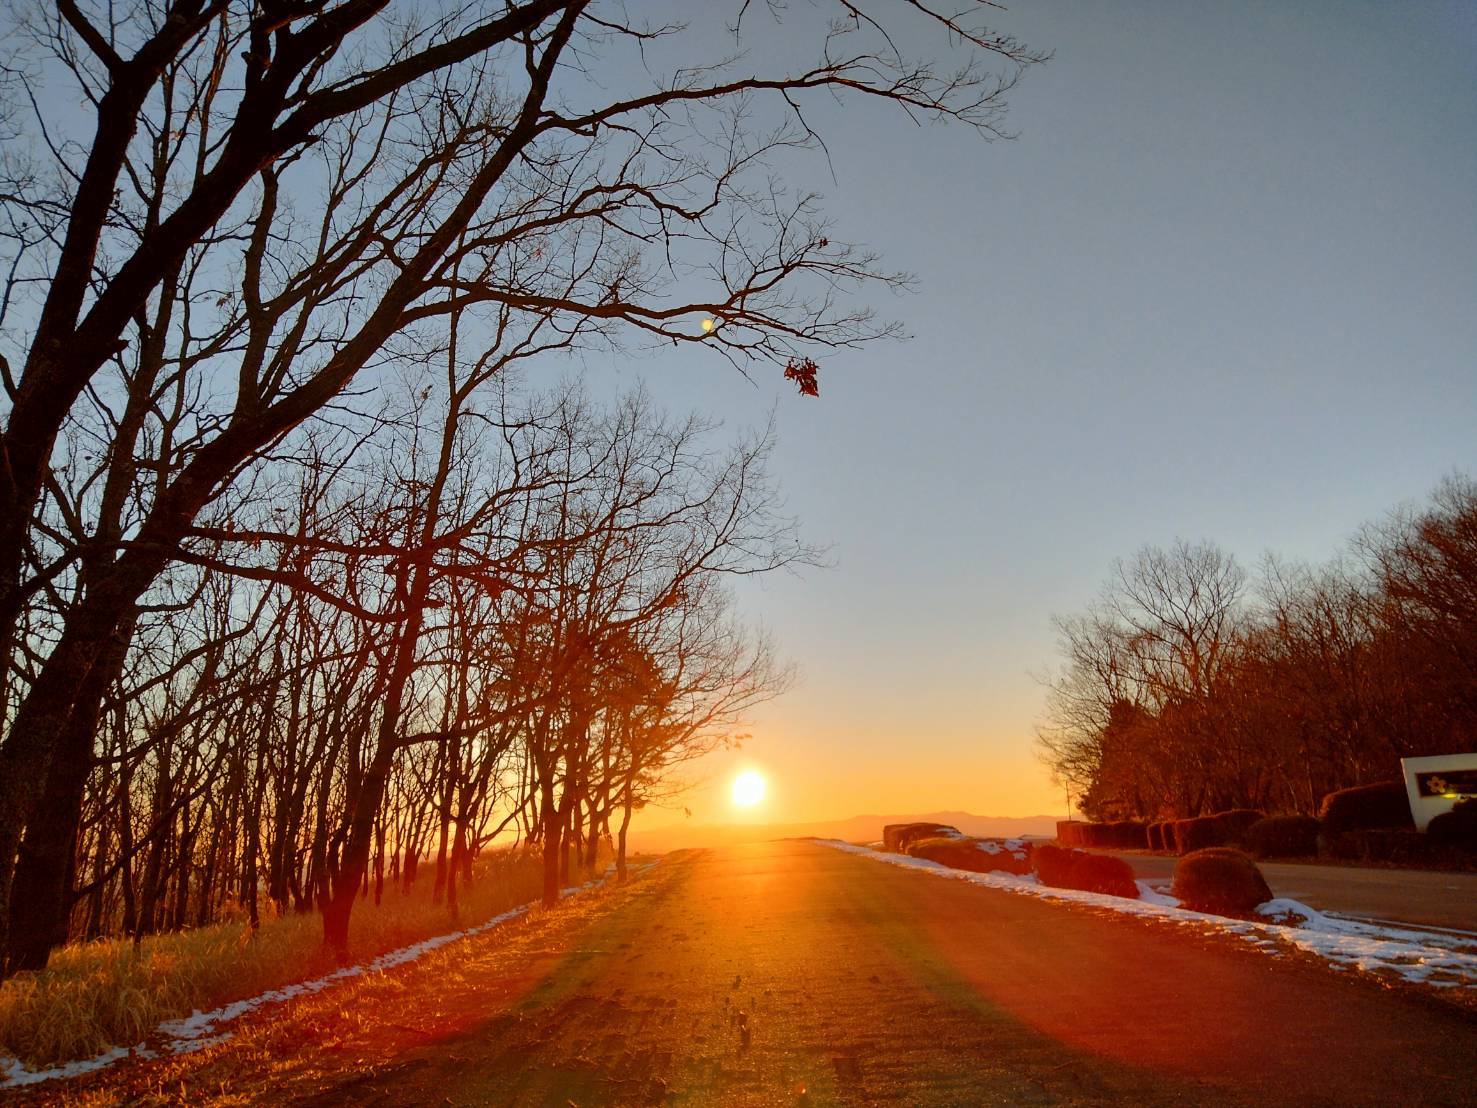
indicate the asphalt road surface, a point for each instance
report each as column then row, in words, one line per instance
column 1424, row 897
column 787, row 973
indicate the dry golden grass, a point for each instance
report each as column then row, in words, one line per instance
column 95, row 995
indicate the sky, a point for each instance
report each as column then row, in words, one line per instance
column 1222, row 284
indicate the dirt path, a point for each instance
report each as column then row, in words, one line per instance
column 788, row 973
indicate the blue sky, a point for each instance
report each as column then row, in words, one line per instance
column 1222, row 285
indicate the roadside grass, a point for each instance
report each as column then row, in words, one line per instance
column 92, row 996
column 343, row 1037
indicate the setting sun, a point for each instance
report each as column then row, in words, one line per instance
column 748, row 789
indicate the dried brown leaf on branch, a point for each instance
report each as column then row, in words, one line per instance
column 803, row 372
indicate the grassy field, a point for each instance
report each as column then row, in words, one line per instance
column 113, row 992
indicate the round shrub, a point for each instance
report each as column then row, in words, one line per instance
column 897, row 836
column 1220, row 880
column 1102, row 873
column 975, row 855
column 1283, row 837
column 1052, row 864
column 1381, row 806
column 1010, row 855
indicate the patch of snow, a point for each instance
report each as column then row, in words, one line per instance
column 1150, row 895
column 190, row 1046
column 1421, row 957
column 16, row 1073
column 194, row 1032
column 1026, row 878
column 1014, row 847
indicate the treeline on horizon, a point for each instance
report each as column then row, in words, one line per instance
column 1189, row 686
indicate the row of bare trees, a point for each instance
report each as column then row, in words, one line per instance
column 259, row 627
column 513, row 623
column 1185, row 690
column 229, row 229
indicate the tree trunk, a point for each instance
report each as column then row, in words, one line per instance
column 187, row 838
column 551, row 836
column 379, row 867
column 353, row 863
column 438, row 893
column 125, row 848
column 248, row 867
column 458, row 851
column 41, row 903
column 620, row 851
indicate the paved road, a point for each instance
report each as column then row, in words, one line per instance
column 786, row 973
column 1423, row 897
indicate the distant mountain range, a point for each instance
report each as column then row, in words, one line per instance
column 856, row 829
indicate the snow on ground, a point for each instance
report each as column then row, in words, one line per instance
column 1016, row 848
column 1442, row 960
column 195, row 1031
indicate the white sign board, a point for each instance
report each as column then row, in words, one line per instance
column 1435, row 784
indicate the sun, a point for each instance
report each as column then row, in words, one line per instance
column 748, row 789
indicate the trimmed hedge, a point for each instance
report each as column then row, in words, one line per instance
column 1220, row 880
column 1125, row 834
column 1176, row 835
column 1075, row 869
column 1284, row 837
column 1102, row 873
column 1399, row 847
column 1381, row 844
column 1456, row 828
column 1377, row 807
column 1068, row 832
column 1191, row 835
column 975, row 855
column 1234, row 825
column 1165, row 835
column 1221, row 829
column 897, row 836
